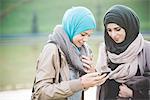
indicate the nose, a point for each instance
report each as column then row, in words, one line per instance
column 113, row 34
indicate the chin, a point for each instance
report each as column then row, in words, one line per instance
column 79, row 45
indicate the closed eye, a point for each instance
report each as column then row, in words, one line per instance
column 118, row 29
column 85, row 34
column 82, row 34
column 108, row 30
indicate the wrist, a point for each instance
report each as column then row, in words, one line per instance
column 82, row 83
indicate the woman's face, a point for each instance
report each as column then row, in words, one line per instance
column 81, row 38
column 116, row 32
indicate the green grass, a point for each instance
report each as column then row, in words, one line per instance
column 50, row 12
column 17, row 66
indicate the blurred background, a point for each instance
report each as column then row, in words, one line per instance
column 25, row 25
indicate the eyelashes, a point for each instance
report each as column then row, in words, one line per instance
column 115, row 29
column 84, row 34
column 118, row 29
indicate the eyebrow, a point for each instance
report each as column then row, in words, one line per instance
column 114, row 28
column 86, row 33
column 117, row 27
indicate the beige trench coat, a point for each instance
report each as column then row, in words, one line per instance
column 47, row 86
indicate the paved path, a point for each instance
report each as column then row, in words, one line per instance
column 25, row 94
column 90, row 94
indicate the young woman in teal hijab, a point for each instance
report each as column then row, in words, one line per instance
column 64, row 65
column 79, row 23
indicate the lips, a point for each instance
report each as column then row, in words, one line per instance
column 80, row 43
column 116, row 38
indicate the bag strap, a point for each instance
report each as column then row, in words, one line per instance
column 59, row 57
column 59, row 63
column 58, row 51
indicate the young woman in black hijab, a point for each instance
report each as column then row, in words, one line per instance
column 124, row 56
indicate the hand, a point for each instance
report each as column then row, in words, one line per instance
column 88, row 64
column 92, row 79
column 125, row 91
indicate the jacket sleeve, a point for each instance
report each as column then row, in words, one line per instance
column 140, row 86
column 147, row 57
column 45, row 87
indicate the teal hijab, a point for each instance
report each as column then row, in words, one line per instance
column 77, row 20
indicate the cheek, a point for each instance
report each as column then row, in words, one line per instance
column 75, row 40
column 111, row 35
column 123, row 38
column 123, row 35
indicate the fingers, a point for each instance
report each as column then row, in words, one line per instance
column 122, row 87
column 101, row 82
column 86, row 57
column 86, row 70
column 93, row 75
column 124, row 91
column 120, row 95
column 87, row 62
column 97, row 76
column 87, row 65
column 100, row 79
column 93, row 79
column 91, row 70
column 102, row 76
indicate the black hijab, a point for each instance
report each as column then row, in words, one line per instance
column 125, row 18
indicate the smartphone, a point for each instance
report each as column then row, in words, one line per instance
column 105, row 73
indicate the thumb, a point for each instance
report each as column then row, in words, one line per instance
column 94, row 74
